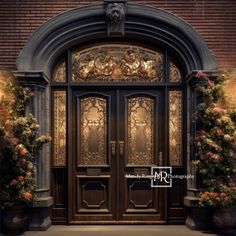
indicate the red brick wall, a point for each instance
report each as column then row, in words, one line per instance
column 215, row 20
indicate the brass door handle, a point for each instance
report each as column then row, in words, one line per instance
column 113, row 148
column 122, row 147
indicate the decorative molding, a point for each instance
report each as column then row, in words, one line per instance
column 149, row 25
column 32, row 79
column 115, row 12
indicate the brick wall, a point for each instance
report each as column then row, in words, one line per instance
column 215, row 20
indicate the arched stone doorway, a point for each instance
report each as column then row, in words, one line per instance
column 139, row 27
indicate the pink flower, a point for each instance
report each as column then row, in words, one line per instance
column 23, row 152
column 27, row 195
column 218, row 199
column 232, row 184
column 13, row 182
column 219, row 110
column 198, row 144
column 213, row 194
column 200, row 74
column 223, row 195
column 211, row 83
column 21, row 178
column 209, row 154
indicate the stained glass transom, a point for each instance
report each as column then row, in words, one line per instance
column 117, row 63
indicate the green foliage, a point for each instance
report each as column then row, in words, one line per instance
column 19, row 143
column 214, row 143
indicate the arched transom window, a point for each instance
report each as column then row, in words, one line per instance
column 117, row 63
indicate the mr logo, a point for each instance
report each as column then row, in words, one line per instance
column 161, row 177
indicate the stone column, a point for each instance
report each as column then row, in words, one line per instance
column 38, row 83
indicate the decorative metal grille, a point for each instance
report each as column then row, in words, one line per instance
column 175, row 75
column 59, row 74
column 140, row 131
column 59, row 144
column 175, row 128
column 93, row 131
column 117, row 63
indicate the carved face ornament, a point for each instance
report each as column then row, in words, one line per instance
column 115, row 12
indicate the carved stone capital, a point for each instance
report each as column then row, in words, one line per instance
column 115, row 12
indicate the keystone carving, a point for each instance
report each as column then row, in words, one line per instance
column 115, row 12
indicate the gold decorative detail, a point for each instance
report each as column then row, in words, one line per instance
column 175, row 75
column 93, row 131
column 117, row 63
column 59, row 144
column 59, row 74
column 175, row 128
column 140, row 131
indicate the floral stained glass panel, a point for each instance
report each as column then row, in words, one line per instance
column 140, row 131
column 59, row 73
column 59, row 142
column 175, row 128
column 93, row 131
column 175, row 74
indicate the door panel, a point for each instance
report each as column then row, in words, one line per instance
column 116, row 133
column 94, row 173
column 140, row 130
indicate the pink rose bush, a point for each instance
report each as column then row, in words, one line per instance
column 214, row 143
column 19, row 143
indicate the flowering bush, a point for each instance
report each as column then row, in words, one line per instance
column 214, row 143
column 217, row 199
column 19, row 142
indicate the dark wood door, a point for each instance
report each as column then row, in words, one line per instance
column 116, row 139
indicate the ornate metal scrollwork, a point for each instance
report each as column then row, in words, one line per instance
column 117, row 63
column 115, row 12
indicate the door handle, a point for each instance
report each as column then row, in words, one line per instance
column 122, row 147
column 113, row 148
column 160, row 159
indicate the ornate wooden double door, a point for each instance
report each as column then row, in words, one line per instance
column 117, row 138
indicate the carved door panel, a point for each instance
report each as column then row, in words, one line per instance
column 115, row 133
column 93, row 168
column 140, row 142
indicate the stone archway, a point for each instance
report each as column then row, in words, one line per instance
column 81, row 25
